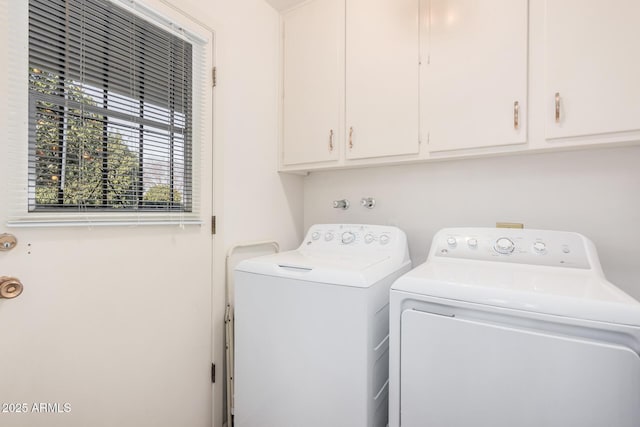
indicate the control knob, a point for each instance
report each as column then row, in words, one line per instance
column 368, row 238
column 540, row 247
column 328, row 236
column 473, row 243
column 348, row 237
column 504, row 245
column 384, row 239
column 315, row 235
column 452, row 242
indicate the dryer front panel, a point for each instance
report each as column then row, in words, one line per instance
column 457, row 372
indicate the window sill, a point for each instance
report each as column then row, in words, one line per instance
column 87, row 220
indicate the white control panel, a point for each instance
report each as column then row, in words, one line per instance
column 523, row 246
column 353, row 238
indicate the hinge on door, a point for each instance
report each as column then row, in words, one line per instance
column 214, row 77
column 213, row 373
column 213, row 225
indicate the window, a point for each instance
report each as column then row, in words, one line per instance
column 110, row 110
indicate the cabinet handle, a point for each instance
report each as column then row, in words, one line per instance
column 557, row 107
column 351, row 137
column 331, row 140
column 516, row 114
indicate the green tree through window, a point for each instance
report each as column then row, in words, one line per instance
column 71, row 152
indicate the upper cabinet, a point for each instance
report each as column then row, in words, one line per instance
column 376, row 63
column 382, row 78
column 592, row 69
column 474, row 73
column 313, row 88
column 371, row 82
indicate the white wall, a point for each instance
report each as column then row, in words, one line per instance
column 594, row 192
column 252, row 201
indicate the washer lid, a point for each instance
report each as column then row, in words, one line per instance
column 567, row 292
column 341, row 269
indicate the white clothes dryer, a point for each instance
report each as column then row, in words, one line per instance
column 311, row 329
column 512, row 328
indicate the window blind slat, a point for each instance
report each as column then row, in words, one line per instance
column 167, row 66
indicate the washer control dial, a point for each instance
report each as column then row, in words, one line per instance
column 328, row 236
column 540, row 247
column 504, row 245
column 384, row 239
column 452, row 242
column 315, row 235
column 473, row 243
column 368, row 238
column 348, row 237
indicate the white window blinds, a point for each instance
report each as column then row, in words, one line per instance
column 110, row 111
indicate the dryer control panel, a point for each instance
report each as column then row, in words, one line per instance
column 522, row 246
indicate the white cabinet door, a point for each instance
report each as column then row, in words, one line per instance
column 593, row 64
column 382, row 78
column 313, row 106
column 474, row 91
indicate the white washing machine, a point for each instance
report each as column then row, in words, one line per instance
column 512, row 328
column 311, row 329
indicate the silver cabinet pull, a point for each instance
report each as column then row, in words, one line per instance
column 10, row 287
column 516, row 114
column 331, row 140
column 557, row 107
column 351, row 137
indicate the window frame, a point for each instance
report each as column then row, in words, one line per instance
column 61, row 84
column 16, row 201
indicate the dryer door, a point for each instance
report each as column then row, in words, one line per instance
column 460, row 373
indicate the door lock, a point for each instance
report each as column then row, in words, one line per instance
column 7, row 242
column 10, row 287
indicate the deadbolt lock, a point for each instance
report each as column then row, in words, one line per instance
column 7, row 242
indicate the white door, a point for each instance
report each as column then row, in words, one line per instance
column 592, row 64
column 313, row 105
column 113, row 327
column 474, row 72
column 382, row 81
column 458, row 372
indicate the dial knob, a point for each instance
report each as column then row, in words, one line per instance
column 384, row 239
column 540, row 247
column 451, row 241
column 315, row 235
column 473, row 243
column 328, row 236
column 368, row 238
column 348, row 237
column 504, row 245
